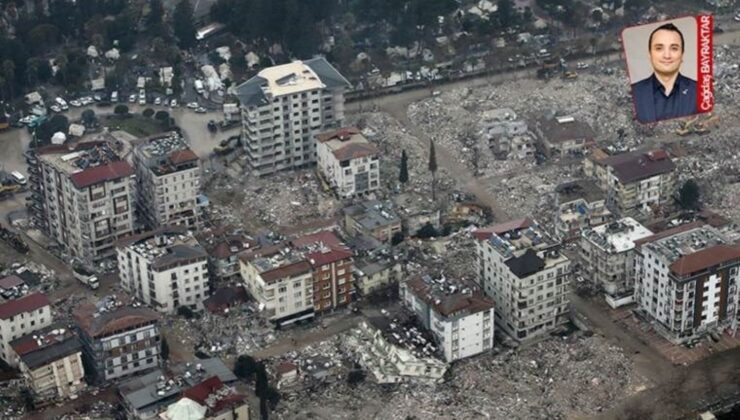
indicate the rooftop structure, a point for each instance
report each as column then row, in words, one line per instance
column 28, row 303
column 101, row 323
column 165, row 247
column 347, row 143
column 449, row 297
column 618, row 236
column 87, row 163
column 372, row 218
column 582, row 188
column 12, row 287
column 634, row 166
column 46, row 345
column 164, row 154
column 674, row 245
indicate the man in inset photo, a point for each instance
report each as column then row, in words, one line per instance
column 666, row 93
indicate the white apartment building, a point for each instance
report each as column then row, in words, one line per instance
column 168, row 180
column 118, row 343
column 348, row 162
column 580, row 205
column 457, row 312
column 283, row 107
column 19, row 317
column 51, row 362
column 281, row 281
column 82, row 197
column 165, row 268
column 608, row 257
column 687, row 282
column 527, row 277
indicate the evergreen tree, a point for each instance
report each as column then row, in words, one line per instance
column 403, row 176
column 433, row 168
column 183, row 25
column 689, row 195
column 165, row 352
column 156, row 12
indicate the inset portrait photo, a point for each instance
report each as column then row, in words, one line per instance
column 670, row 67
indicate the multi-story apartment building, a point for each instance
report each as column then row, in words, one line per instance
column 165, row 268
column 281, row 281
column 372, row 218
column 579, row 205
column 527, row 277
column 118, row 343
column 457, row 312
column 284, row 107
column 687, row 281
column 168, row 180
column 51, row 362
column 636, row 183
column 331, row 266
column 82, row 197
column 348, row 162
column 223, row 249
column 608, row 257
column 19, row 317
column 371, row 276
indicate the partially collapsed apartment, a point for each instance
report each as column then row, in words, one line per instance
column 579, row 204
column 687, row 281
column 526, row 275
column 348, row 162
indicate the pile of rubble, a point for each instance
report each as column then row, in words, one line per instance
column 557, row 378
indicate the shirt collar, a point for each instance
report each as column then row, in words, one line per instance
column 657, row 86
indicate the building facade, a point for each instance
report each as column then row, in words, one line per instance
column 687, row 282
column 372, row 218
column 637, row 183
column 527, row 277
column 20, row 317
column 168, row 180
column 376, row 275
column 165, row 268
column 579, row 205
column 118, row 343
column 348, row 162
column 457, row 312
column 51, row 362
column 608, row 257
column 281, row 281
column 284, row 107
column 82, row 197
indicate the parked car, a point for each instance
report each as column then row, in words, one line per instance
column 132, row 98
column 157, row 101
column 200, row 110
column 173, row 103
column 75, row 103
column 98, row 97
column 192, row 105
column 581, row 65
column 55, row 108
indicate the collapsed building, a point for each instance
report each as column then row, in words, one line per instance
column 527, row 277
column 348, row 162
column 579, row 205
column 164, row 268
column 82, row 197
column 119, row 342
column 284, row 107
column 608, row 257
column 168, row 177
column 372, row 218
column 456, row 311
column 507, row 136
column 50, row 361
column 636, row 183
column 687, row 281
column 223, row 249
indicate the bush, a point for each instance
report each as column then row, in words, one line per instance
column 162, row 116
column 148, row 112
column 245, row 367
column 120, row 110
column 355, row 377
column 427, row 231
column 397, row 238
column 186, row 312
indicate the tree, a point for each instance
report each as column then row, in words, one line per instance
column 186, row 312
column 245, row 367
column 433, row 167
column 403, row 175
column 120, row 110
column 156, row 12
column 165, row 351
column 397, row 238
column 355, row 377
column 183, row 25
column 27, row 398
column 506, row 15
column 9, row 75
column 88, row 117
column 427, row 231
column 261, row 389
column 162, row 116
column 148, row 113
column 689, row 195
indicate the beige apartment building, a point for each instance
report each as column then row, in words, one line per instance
column 284, row 107
column 348, row 162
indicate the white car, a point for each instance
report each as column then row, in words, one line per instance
column 173, row 103
column 581, row 65
column 157, row 101
column 86, row 100
column 55, row 108
column 737, row 17
column 75, row 103
column 132, row 98
column 200, row 110
column 142, row 101
column 193, row 105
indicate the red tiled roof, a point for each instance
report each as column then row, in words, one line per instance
column 706, row 258
column 448, row 304
column 10, row 282
column 27, row 303
column 325, row 237
column 342, row 132
column 669, row 232
column 224, row 298
column 252, row 254
column 107, row 323
column 328, row 256
column 200, row 393
column 180, row 156
column 103, row 173
column 485, row 233
column 355, row 151
column 285, row 367
column 290, row 270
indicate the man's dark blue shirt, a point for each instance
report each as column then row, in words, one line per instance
column 652, row 104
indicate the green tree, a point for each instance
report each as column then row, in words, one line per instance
column 355, row 377
column 165, row 351
column 689, row 195
column 261, row 389
column 245, row 367
column 148, row 113
column 27, row 398
column 186, row 312
column 433, row 168
column 183, row 25
column 403, row 175
column 120, row 110
column 61, row 63
column 9, row 75
column 427, row 231
column 156, row 12
column 88, row 117
column 506, row 15
column 162, row 116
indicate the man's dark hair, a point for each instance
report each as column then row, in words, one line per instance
column 665, row 27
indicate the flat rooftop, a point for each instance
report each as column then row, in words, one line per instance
column 449, row 297
column 290, row 78
column 686, row 242
column 166, row 153
column 562, row 129
column 46, row 345
column 166, row 246
column 618, row 236
column 585, row 189
column 372, row 214
column 86, row 163
column 347, row 143
column 634, row 166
